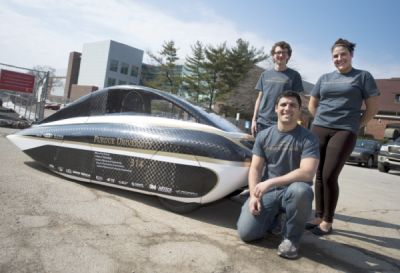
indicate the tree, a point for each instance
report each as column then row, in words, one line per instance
column 41, row 72
column 170, row 76
column 215, row 66
column 211, row 72
column 240, row 59
column 221, row 69
column 195, row 75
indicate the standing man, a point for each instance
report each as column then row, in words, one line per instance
column 290, row 155
column 271, row 84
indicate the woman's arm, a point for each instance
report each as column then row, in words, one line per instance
column 372, row 108
column 313, row 105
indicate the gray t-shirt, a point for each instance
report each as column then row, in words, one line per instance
column 341, row 97
column 273, row 83
column 283, row 151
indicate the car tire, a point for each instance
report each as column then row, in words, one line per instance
column 370, row 162
column 382, row 168
column 178, row 207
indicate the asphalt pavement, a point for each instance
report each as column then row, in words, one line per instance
column 52, row 224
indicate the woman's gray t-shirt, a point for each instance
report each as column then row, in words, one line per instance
column 341, row 97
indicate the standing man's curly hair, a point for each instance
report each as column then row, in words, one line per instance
column 283, row 45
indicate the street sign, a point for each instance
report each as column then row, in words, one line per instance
column 16, row 81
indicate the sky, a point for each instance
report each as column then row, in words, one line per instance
column 44, row 32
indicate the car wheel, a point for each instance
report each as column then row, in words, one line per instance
column 382, row 168
column 178, row 207
column 370, row 162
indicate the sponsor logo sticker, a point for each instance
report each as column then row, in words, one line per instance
column 165, row 189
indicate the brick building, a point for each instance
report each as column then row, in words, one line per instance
column 389, row 109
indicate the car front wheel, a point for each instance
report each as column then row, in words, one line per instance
column 382, row 168
column 370, row 162
column 178, row 207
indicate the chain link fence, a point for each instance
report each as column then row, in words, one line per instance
column 28, row 105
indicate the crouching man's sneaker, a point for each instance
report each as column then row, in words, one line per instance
column 287, row 250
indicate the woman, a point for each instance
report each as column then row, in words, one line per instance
column 335, row 103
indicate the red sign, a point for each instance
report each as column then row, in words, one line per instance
column 16, row 81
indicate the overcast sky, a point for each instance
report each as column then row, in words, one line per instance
column 44, row 32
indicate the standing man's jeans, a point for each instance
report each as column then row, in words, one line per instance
column 295, row 200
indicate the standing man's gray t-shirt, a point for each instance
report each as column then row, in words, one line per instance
column 272, row 83
column 283, row 151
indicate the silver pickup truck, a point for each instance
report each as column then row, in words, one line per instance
column 389, row 156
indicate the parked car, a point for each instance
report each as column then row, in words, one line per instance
column 143, row 140
column 52, row 105
column 10, row 118
column 365, row 153
column 389, row 156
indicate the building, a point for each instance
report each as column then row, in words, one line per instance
column 74, row 63
column 389, row 110
column 102, row 64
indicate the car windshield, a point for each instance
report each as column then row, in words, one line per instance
column 125, row 101
column 225, row 124
column 364, row 144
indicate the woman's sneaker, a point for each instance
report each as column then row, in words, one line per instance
column 287, row 249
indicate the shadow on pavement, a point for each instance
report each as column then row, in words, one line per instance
column 346, row 257
column 364, row 221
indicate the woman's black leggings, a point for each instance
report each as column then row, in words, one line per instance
column 335, row 147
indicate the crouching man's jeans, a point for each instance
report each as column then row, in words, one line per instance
column 295, row 200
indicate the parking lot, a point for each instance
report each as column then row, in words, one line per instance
column 51, row 224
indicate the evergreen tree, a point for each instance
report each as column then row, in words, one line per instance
column 170, row 75
column 215, row 67
column 195, row 75
column 240, row 59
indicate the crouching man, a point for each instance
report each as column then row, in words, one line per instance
column 290, row 155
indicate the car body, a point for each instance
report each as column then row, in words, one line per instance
column 10, row 118
column 389, row 156
column 143, row 140
column 52, row 105
column 365, row 153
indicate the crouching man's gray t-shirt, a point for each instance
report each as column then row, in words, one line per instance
column 340, row 98
column 283, row 151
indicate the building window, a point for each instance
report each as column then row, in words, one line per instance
column 134, row 70
column 114, row 65
column 124, row 68
column 397, row 98
column 111, row 81
column 121, row 82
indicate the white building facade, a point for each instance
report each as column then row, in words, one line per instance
column 109, row 63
